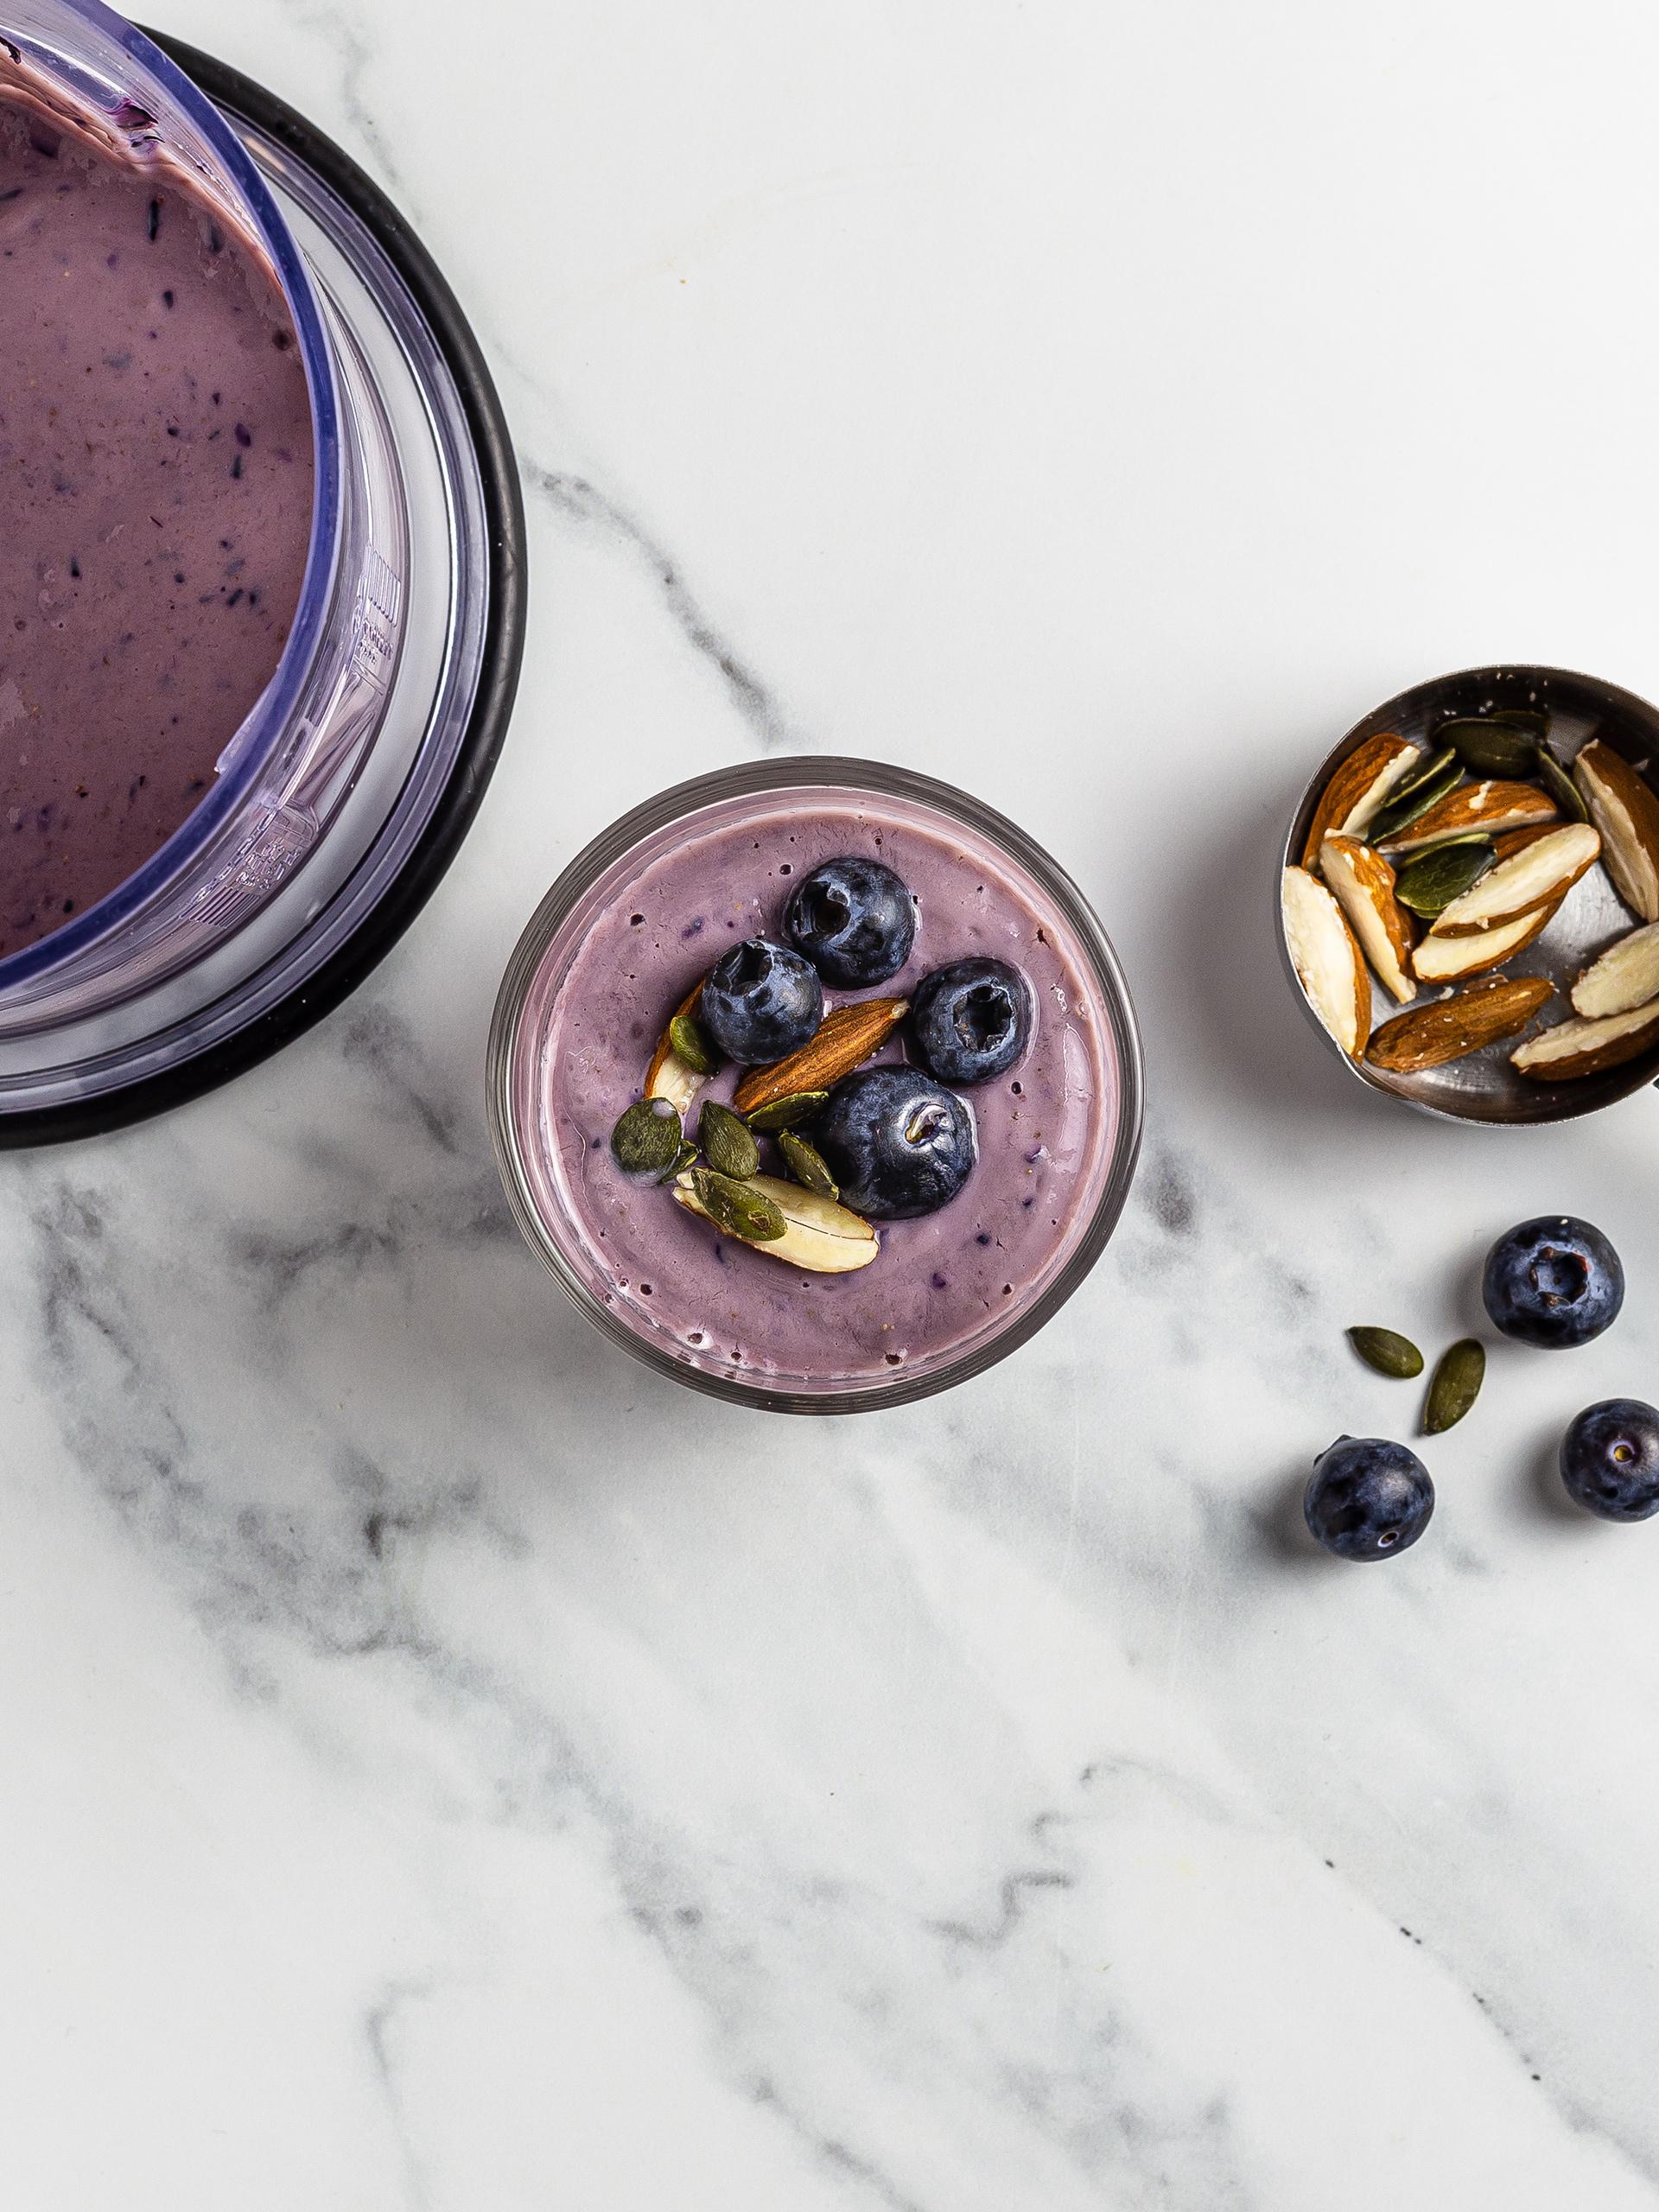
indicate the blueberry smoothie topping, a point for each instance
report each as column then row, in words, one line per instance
column 761, row 1001
column 972, row 1020
column 898, row 1144
column 884, row 1143
column 853, row 919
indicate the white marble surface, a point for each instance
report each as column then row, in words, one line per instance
column 445, row 1766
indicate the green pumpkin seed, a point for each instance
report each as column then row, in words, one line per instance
column 1560, row 786
column 1533, row 720
column 682, row 1160
column 1455, row 1385
column 726, row 1144
column 1431, row 881
column 741, row 1212
column 1491, row 748
column 1430, row 764
column 806, row 1165
column 785, row 1113
column 1443, row 775
column 691, row 1043
column 646, row 1138
column 1388, row 1351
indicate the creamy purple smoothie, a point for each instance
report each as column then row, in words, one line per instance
column 633, row 950
column 156, row 501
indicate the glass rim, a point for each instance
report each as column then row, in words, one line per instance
column 274, row 708
column 793, row 772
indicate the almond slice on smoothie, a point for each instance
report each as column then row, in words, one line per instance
column 819, row 1235
column 669, row 1076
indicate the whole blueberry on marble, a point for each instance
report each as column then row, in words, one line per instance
column 1368, row 1498
column 1553, row 1282
column 897, row 1143
column 761, row 1001
column 853, row 919
column 1609, row 1459
column 971, row 1021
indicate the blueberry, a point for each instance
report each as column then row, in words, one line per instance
column 1609, row 1459
column 761, row 1001
column 972, row 1020
column 854, row 920
column 1368, row 1498
column 897, row 1142
column 1552, row 1283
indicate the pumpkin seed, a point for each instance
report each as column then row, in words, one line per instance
column 806, row 1166
column 646, row 1138
column 682, row 1160
column 1455, row 1385
column 1560, row 786
column 1443, row 774
column 1491, row 748
column 726, row 1141
column 691, row 1043
column 1430, row 763
column 785, row 1113
column 1431, row 881
column 1533, row 719
column 1388, row 1351
column 730, row 1205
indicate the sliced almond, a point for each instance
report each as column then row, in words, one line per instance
column 1353, row 797
column 669, row 1076
column 1429, row 1036
column 1363, row 883
column 1329, row 962
column 1450, row 959
column 824, row 1238
column 844, row 1038
column 1576, row 1048
column 1492, row 806
column 1627, row 976
column 1540, row 874
column 1626, row 812
column 1516, row 841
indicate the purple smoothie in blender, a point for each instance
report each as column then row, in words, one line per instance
column 155, row 505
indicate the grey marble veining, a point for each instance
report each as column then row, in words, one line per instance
column 449, row 1766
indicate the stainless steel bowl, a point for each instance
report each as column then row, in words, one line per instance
column 1483, row 1087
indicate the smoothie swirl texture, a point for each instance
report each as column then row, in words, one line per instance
column 627, row 955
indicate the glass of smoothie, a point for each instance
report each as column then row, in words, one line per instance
column 656, row 924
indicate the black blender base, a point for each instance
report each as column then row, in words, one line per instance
column 450, row 815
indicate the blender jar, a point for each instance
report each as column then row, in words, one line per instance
column 286, row 775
